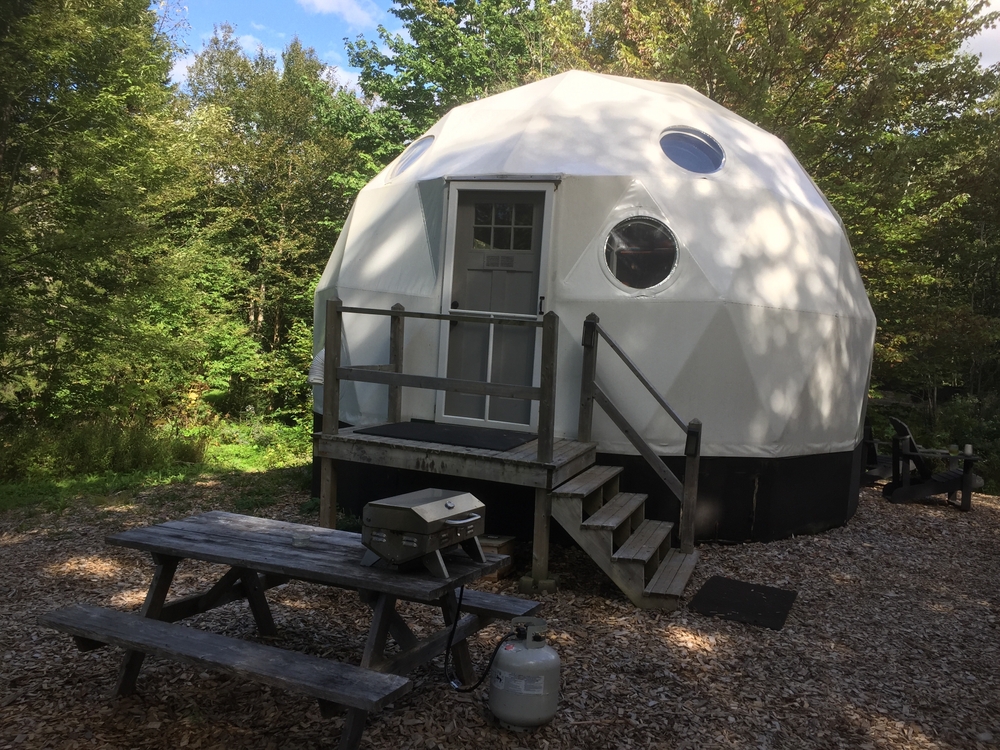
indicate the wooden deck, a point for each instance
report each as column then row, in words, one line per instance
column 519, row 466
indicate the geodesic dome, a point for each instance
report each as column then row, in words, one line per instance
column 699, row 240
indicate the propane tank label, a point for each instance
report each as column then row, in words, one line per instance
column 519, row 684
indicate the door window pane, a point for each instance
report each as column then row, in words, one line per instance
column 524, row 214
column 501, row 238
column 482, row 237
column 522, row 239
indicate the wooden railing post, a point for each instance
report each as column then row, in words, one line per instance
column 396, row 360
column 331, row 411
column 692, row 464
column 588, row 373
column 547, row 402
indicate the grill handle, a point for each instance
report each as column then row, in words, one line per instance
column 462, row 521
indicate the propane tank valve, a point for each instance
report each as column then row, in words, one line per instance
column 524, row 686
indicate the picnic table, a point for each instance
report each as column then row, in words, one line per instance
column 263, row 553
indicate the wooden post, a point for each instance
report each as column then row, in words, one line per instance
column 331, row 411
column 396, row 360
column 692, row 464
column 587, row 374
column 539, row 579
column 897, row 460
column 547, row 402
column 967, row 475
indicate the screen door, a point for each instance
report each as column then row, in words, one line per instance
column 497, row 252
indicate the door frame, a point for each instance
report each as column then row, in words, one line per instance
column 545, row 185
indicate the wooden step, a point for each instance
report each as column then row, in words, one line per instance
column 325, row 679
column 587, row 482
column 616, row 511
column 672, row 576
column 645, row 542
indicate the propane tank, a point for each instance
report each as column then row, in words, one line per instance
column 524, row 685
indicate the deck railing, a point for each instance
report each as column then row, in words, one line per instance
column 392, row 374
column 591, row 392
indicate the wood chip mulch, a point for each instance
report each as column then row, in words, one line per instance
column 891, row 643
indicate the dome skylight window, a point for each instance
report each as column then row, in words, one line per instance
column 641, row 252
column 412, row 153
column 692, row 150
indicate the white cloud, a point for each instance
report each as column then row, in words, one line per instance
column 249, row 43
column 987, row 43
column 355, row 12
column 348, row 79
column 179, row 70
column 257, row 26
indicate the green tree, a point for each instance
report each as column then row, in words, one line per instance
column 265, row 214
column 456, row 52
column 84, row 106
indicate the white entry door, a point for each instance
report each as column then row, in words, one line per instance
column 495, row 269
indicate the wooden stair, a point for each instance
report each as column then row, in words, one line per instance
column 612, row 527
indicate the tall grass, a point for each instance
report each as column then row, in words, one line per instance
column 50, row 467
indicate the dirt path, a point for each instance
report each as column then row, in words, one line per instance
column 892, row 642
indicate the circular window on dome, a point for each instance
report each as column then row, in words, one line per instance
column 641, row 252
column 412, row 153
column 692, row 150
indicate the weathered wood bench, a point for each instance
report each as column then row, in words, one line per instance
column 497, row 606
column 329, row 681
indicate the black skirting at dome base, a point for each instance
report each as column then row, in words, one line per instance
column 754, row 499
column 739, row 499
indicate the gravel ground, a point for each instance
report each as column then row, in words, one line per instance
column 892, row 642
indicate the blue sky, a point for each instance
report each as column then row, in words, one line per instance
column 320, row 24
column 323, row 25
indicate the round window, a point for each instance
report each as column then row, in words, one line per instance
column 413, row 152
column 692, row 150
column 641, row 252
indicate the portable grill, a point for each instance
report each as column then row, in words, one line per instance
column 414, row 528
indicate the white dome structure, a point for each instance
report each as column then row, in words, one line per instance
column 703, row 246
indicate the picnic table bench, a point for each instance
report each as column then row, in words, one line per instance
column 261, row 554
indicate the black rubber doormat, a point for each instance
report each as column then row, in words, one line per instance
column 452, row 434
column 751, row 603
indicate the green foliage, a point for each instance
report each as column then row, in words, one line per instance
column 455, row 52
column 83, row 108
column 49, row 468
column 95, row 448
column 262, row 216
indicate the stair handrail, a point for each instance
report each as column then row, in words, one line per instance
column 591, row 391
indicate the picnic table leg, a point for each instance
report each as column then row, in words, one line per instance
column 459, row 651
column 354, row 727
column 163, row 576
column 253, row 587
column 383, row 610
